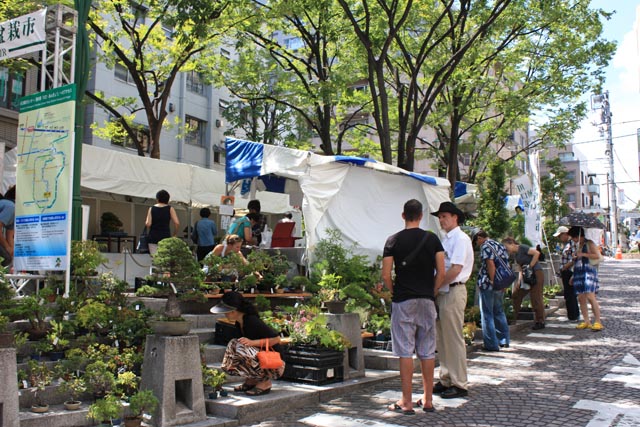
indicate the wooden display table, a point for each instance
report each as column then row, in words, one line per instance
column 274, row 295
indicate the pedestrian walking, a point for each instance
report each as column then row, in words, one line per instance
column 566, row 272
column 451, row 299
column 204, row 234
column 585, row 279
column 495, row 328
column 418, row 258
column 527, row 257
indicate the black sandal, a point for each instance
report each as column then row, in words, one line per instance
column 255, row 391
column 244, row 387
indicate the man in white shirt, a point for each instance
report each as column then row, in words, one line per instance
column 451, row 299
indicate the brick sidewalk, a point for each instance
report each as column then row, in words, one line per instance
column 559, row 376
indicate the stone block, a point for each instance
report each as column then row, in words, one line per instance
column 9, row 392
column 349, row 325
column 171, row 368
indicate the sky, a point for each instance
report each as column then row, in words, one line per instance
column 623, row 84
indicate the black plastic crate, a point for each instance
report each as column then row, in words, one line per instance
column 312, row 356
column 376, row 344
column 313, row 375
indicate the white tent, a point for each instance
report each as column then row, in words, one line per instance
column 361, row 198
column 122, row 173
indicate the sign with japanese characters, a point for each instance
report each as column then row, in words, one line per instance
column 22, row 35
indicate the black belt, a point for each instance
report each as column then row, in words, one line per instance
column 455, row 284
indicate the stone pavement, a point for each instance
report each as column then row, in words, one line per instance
column 558, row 376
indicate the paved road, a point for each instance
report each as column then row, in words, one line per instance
column 558, row 377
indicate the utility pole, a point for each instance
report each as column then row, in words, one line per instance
column 602, row 102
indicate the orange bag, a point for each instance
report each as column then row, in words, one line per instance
column 269, row 359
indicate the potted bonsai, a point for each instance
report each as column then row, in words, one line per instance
column 175, row 265
column 99, row 379
column 74, row 387
column 85, row 258
column 110, row 224
column 140, row 403
column 55, row 337
column 20, row 340
column 107, row 411
column 329, row 293
column 39, row 377
column 6, row 337
column 213, row 380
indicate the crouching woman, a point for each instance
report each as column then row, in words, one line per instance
column 241, row 356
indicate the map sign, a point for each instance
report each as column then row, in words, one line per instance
column 44, row 178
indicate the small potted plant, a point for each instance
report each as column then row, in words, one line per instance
column 213, row 379
column 85, row 258
column 329, row 293
column 74, row 387
column 107, row 411
column 39, row 377
column 140, row 403
column 40, row 348
column 55, row 337
column 20, row 340
column 127, row 383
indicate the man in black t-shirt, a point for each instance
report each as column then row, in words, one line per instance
column 418, row 257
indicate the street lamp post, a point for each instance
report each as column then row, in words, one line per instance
column 601, row 102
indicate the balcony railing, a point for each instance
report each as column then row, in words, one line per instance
column 593, row 189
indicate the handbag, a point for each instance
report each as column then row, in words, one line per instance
column 143, row 243
column 504, row 276
column 269, row 359
column 528, row 276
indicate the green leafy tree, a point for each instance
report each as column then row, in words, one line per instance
column 153, row 41
column 553, row 195
column 305, row 65
column 534, row 58
column 492, row 213
column 406, row 70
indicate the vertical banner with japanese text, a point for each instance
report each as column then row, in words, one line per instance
column 44, row 179
column 530, row 195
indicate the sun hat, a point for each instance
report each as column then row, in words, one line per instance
column 230, row 302
column 560, row 230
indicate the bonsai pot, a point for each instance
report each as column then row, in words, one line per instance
column 72, row 405
column 39, row 409
column 6, row 340
column 174, row 328
column 132, row 421
column 56, row 355
column 335, row 307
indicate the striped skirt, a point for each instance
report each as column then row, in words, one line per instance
column 242, row 360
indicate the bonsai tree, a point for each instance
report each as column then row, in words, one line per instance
column 85, row 257
column 56, row 337
column 110, row 223
column 213, row 378
column 175, row 265
column 100, row 380
column 127, row 383
column 39, row 377
column 106, row 409
column 329, row 287
column 74, row 387
column 35, row 310
column 142, row 402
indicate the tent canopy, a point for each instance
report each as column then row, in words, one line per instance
column 122, row 173
column 361, row 198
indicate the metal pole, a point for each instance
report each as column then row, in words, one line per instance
column 606, row 119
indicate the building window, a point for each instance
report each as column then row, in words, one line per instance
column 571, row 177
column 293, row 43
column 121, row 73
column 571, row 197
column 466, row 159
column 142, row 134
column 11, row 89
column 565, row 157
column 195, row 131
column 225, row 53
column 222, row 107
column 195, row 83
